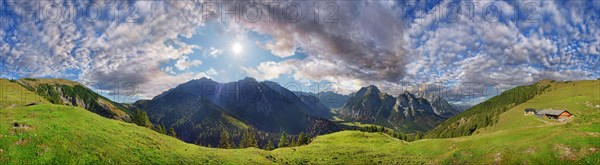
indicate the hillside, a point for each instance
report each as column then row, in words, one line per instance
column 12, row 94
column 514, row 139
column 65, row 92
column 486, row 113
column 199, row 110
column 320, row 109
column 56, row 134
column 330, row 99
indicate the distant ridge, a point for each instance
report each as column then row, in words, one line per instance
column 200, row 109
column 406, row 112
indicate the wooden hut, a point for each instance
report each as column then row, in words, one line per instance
column 529, row 111
column 560, row 115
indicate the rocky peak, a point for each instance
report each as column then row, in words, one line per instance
column 371, row 90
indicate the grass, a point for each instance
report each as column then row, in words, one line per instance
column 515, row 139
column 53, row 134
column 358, row 124
column 12, row 94
column 56, row 134
column 57, row 91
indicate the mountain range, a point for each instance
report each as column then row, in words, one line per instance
column 199, row 109
column 330, row 99
column 37, row 129
column 406, row 112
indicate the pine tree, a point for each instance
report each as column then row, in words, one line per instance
column 245, row 141
column 225, row 141
column 283, row 141
column 161, row 129
column 270, row 146
column 302, row 139
column 417, row 136
column 172, row 132
column 252, row 142
column 294, row 142
column 141, row 118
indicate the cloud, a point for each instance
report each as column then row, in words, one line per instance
column 365, row 42
column 214, row 52
column 183, row 63
column 270, row 70
column 107, row 50
column 371, row 45
column 169, row 69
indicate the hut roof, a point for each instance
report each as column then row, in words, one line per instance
column 551, row 112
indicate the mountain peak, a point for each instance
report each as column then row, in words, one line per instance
column 202, row 80
column 373, row 89
column 407, row 94
column 249, row 79
column 205, row 79
column 368, row 90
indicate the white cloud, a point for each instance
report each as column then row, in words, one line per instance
column 368, row 45
column 169, row 69
column 214, row 52
column 270, row 70
column 183, row 63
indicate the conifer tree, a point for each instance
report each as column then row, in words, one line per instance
column 161, row 129
column 294, row 142
column 141, row 118
column 283, row 140
column 225, row 141
column 270, row 145
column 172, row 132
column 302, row 139
column 244, row 142
column 252, row 142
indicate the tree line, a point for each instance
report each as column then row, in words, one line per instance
column 249, row 139
column 392, row 133
column 140, row 118
column 226, row 140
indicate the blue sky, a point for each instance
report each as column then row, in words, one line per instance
column 464, row 50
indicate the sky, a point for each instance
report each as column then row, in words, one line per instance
column 466, row 51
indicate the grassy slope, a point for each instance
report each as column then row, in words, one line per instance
column 44, row 86
column 59, row 134
column 56, row 130
column 515, row 139
column 12, row 94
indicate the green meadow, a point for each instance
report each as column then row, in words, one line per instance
column 57, row 134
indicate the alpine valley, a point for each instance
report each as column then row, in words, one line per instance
column 49, row 121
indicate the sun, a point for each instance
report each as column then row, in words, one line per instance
column 236, row 48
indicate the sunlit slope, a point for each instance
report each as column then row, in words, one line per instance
column 581, row 98
column 54, row 134
column 516, row 138
column 66, row 92
column 13, row 94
